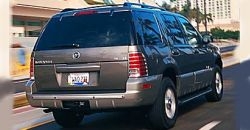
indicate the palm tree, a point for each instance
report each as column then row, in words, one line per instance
column 206, row 18
column 168, row 7
column 187, row 11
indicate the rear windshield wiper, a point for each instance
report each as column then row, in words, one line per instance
column 74, row 45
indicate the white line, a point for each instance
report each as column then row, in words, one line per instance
column 210, row 125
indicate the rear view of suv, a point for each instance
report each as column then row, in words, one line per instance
column 117, row 57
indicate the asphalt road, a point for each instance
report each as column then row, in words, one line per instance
column 195, row 115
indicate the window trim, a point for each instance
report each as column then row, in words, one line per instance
column 156, row 21
column 185, row 35
column 185, row 44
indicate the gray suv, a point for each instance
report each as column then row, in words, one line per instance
column 119, row 57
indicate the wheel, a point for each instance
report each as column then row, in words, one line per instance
column 67, row 118
column 163, row 113
column 217, row 86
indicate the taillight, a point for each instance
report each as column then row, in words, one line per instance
column 88, row 12
column 137, row 65
column 32, row 68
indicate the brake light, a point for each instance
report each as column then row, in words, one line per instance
column 88, row 12
column 32, row 68
column 137, row 65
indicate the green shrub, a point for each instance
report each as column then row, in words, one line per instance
column 219, row 33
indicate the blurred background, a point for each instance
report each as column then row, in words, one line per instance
column 219, row 20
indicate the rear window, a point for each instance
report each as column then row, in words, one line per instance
column 86, row 31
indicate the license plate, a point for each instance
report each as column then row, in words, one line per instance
column 78, row 79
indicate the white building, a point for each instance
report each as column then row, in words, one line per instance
column 225, row 13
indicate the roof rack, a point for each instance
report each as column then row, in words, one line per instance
column 128, row 4
column 92, row 7
column 102, row 6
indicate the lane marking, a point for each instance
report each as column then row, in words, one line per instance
column 210, row 125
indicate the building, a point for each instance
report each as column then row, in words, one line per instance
column 225, row 13
column 29, row 16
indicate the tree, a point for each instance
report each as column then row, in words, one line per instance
column 206, row 18
column 219, row 33
column 187, row 11
column 168, row 7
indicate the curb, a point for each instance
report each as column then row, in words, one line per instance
column 20, row 100
column 227, row 54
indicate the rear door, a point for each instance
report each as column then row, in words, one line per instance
column 149, row 35
column 84, row 52
column 181, row 52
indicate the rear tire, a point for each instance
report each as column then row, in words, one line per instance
column 68, row 118
column 217, row 86
column 163, row 113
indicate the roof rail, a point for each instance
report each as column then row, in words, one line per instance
column 128, row 4
column 92, row 7
column 99, row 6
column 102, row 6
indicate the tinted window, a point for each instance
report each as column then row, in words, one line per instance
column 95, row 30
column 193, row 37
column 147, row 29
column 173, row 30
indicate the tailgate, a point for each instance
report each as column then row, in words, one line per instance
column 82, row 70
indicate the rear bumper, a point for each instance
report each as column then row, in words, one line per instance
column 134, row 96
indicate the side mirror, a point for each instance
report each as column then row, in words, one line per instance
column 205, row 40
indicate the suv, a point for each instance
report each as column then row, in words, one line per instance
column 125, row 56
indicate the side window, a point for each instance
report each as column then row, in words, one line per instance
column 192, row 35
column 173, row 30
column 147, row 29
